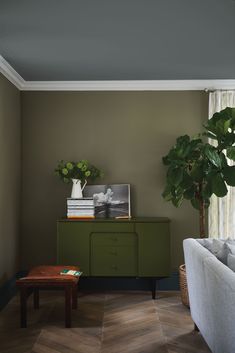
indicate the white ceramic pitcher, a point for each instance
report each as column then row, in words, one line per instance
column 77, row 189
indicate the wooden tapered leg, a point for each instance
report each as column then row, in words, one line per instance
column 68, row 297
column 153, row 285
column 75, row 297
column 36, row 298
column 23, row 307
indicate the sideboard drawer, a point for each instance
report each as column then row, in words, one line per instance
column 113, row 239
column 112, row 227
column 114, row 261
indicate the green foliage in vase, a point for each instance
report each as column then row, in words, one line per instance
column 197, row 169
column 81, row 170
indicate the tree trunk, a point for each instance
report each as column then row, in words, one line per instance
column 202, row 219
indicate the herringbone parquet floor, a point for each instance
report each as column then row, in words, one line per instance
column 121, row 322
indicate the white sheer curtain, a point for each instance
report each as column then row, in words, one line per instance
column 222, row 210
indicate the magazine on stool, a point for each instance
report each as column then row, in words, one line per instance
column 71, row 273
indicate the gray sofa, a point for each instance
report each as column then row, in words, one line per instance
column 211, row 286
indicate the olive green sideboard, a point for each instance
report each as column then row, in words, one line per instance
column 137, row 247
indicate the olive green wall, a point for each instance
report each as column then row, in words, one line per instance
column 124, row 133
column 10, row 157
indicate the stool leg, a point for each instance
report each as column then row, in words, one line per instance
column 68, row 296
column 36, row 298
column 75, row 297
column 23, row 307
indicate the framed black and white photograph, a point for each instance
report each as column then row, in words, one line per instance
column 111, row 201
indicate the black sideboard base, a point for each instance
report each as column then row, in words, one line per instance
column 122, row 283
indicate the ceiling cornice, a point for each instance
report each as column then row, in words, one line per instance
column 149, row 85
column 133, row 85
column 7, row 70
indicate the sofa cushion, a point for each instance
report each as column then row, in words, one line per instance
column 217, row 247
column 220, row 250
column 231, row 261
column 231, row 247
column 230, row 241
column 206, row 242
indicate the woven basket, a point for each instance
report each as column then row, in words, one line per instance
column 183, row 285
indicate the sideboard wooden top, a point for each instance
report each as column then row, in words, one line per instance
column 120, row 220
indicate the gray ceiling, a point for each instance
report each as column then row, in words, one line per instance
column 119, row 39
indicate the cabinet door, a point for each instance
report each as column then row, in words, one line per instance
column 154, row 249
column 73, row 245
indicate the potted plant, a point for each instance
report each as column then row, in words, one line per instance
column 196, row 169
column 79, row 173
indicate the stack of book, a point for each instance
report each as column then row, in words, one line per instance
column 80, row 208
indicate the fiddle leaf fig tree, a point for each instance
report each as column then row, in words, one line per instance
column 197, row 169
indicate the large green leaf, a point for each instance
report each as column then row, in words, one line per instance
column 182, row 147
column 207, row 167
column 167, row 195
column 223, row 115
column 231, row 153
column 182, row 140
column 227, row 113
column 222, row 125
column 175, row 176
column 195, row 203
column 197, row 171
column 186, row 181
column 177, row 201
column 211, row 174
column 223, row 160
column 218, row 186
column 179, row 191
column 166, row 160
column 213, row 155
column 229, row 175
column 186, row 151
column 189, row 194
column 210, row 127
column 195, row 145
column 228, row 140
column 210, row 135
column 207, row 191
column 232, row 114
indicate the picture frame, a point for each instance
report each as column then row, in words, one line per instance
column 111, row 200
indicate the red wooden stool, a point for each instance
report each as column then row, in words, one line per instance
column 48, row 277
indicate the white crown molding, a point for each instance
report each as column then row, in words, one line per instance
column 133, row 85
column 7, row 70
column 150, row 85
